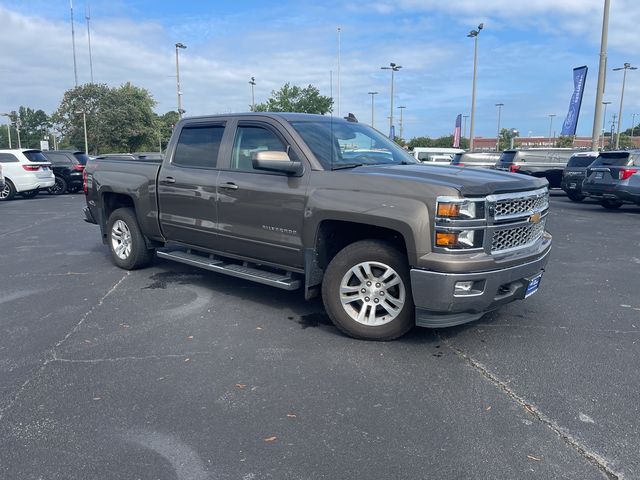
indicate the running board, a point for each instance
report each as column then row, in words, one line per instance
column 284, row 281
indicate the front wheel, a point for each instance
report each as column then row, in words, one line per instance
column 29, row 193
column 126, row 242
column 367, row 291
column 611, row 204
column 8, row 191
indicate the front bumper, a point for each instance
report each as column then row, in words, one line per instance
column 437, row 306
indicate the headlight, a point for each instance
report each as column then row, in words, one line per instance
column 460, row 239
column 459, row 209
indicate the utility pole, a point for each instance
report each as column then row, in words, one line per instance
column 499, row 105
column 602, row 69
column 627, row 66
column 180, row 109
column 551, row 143
column 474, row 34
column 633, row 123
column 88, row 18
column 339, row 39
column 401, row 108
column 604, row 120
column 372, row 108
column 394, row 68
column 252, row 82
column 464, row 129
column 613, row 129
column 73, row 43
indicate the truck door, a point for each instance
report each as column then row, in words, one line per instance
column 187, row 185
column 261, row 213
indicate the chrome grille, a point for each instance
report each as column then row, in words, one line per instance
column 523, row 205
column 517, row 237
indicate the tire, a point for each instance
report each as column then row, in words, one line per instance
column 384, row 310
column 8, row 191
column 58, row 188
column 611, row 204
column 575, row 197
column 29, row 193
column 126, row 242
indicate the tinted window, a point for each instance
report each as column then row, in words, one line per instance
column 8, row 158
column 35, row 156
column 580, row 161
column 199, row 146
column 456, row 159
column 250, row 140
column 81, row 157
column 507, row 157
column 58, row 158
column 614, row 159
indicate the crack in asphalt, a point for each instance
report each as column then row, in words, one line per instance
column 564, row 329
column 123, row 359
column 595, row 459
column 52, row 354
column 36, row 223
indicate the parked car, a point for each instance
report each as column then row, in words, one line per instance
column 475, row 159
column 67, row 166
column 614, row 179
column 25, row 173
column 1, row 179
column 574, row 174
column 537, row 162
column 435, row 154
column 269, row 197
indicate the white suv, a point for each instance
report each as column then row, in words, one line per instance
column 25, row 172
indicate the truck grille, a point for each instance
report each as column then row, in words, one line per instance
column 520, row 206
column 517, row 237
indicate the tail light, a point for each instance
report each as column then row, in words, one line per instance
column 460, row 165
column 85, row 186
column 514, row 168
column 79, row 167
column 31, row 168
column 627, row 172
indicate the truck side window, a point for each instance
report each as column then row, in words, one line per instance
column 250, row 140
column 8, row 158
column 198, row 146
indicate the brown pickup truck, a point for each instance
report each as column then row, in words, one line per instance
column 330, row 206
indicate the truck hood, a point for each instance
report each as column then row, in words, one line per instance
column 469, row 182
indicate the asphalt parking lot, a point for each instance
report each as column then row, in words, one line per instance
column 176, row 373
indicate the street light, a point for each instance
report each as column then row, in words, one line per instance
column 8, row 126
column 180, row 110
column 551, row 115
column 633, row 123
column 401, row 108
column 627, row 66
column 514, row 133
column 499, row 105
column 604, row 121
column 252, row 82
column 464, row 129
column 372, row 108
column 394, row 68
column 474, row 34
column 84, row 124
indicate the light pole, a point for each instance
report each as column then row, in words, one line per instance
column 18, row 132
column 514, row 133
column 84, row 124
column 394, row 68
column 401, row 108
column 499, row 105
column 633, row 123
column 372, row 108
column 8, row 127
column 604, row 121
column 602, row 69
column 464, row 129
column 474, row 34
column 252, row 82
column 551, row 115
column 339, row 47
column 180, row 110
column 627, row 66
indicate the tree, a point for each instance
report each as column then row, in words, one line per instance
column 400, row 141
column 441, row 142
column 506, row 135
column 164, row 125
column 295, row 99
column 564, row 141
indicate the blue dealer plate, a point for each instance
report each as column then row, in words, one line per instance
column 534, row 283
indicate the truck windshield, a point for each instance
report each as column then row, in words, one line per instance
column 342, row 144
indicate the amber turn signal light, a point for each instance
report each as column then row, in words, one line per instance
column 448, row 209
column 446, row 239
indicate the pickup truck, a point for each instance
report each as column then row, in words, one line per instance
column 330, row 206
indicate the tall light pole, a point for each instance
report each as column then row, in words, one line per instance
column 551, row 115
column 372, row 108
column 499, row 105
column 602, row 69
column 87, row 17
column 627, row 66
column 633, row 123
column 18, row 132
column 604, row 120
column 180, row 110
column 474, row 34
column 394, row 68
column 464, row 129
column 73, row 44
column 252, row 82
column 339, row 46
column 84, row 124
column 8, row 126
column 401, row 108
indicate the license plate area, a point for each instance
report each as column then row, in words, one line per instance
column 598, row 175
column 533, row 285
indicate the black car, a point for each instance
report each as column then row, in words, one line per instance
column 67, row 166
column 574, row 174
column 614, row 179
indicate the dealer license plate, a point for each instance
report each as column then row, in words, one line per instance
column 599, row 175
column 534, row 283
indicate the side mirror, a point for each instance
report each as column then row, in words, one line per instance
column 274, row 161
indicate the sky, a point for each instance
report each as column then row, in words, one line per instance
column 526, row 54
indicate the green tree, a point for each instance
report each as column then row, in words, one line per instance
column 420, row 142
column 400, row 141
column 564, row 141
column 164, row 125
column 506, row 134
column 291, row 98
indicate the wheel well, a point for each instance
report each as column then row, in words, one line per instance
column 113, row 201
column 334, row 235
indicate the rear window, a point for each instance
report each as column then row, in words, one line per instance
column 507, row 157
column 58, row 158
column 81, row 157
column 614, row 159
column 35, row 156
column 580, row 161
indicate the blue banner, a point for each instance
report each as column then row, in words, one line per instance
column 392, row 132
column 571, row 122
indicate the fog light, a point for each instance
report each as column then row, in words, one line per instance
column 463, row 288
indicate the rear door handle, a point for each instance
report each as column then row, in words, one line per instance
column 168, row 180
column 229, row 186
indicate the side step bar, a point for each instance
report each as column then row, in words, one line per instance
column 284, row 281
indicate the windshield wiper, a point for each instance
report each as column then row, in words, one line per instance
column 346, row 165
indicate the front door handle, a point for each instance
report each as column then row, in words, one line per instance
column 229, row 186
column 168, row 180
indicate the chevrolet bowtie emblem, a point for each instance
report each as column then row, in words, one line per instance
column 535, row 218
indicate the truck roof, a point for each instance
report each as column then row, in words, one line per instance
column 288, row 116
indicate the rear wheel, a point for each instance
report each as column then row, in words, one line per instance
column 126, row 242
column 575, row 197
column 29, row 193
column 611, row 204
column 367, row 291
column 8, row 191
column 59, row 187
